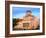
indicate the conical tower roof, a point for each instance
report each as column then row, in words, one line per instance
column 28, row 11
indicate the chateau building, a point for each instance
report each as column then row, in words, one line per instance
column 28, row 22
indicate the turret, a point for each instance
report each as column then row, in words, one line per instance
column 28, row 13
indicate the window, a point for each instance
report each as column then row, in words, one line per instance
column 25, row 25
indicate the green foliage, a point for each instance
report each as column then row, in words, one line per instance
column 15, row 22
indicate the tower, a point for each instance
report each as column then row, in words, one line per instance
column 28, row 13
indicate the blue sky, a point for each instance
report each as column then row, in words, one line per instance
column 18, row 12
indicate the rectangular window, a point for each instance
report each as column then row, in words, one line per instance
column 25, row 25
